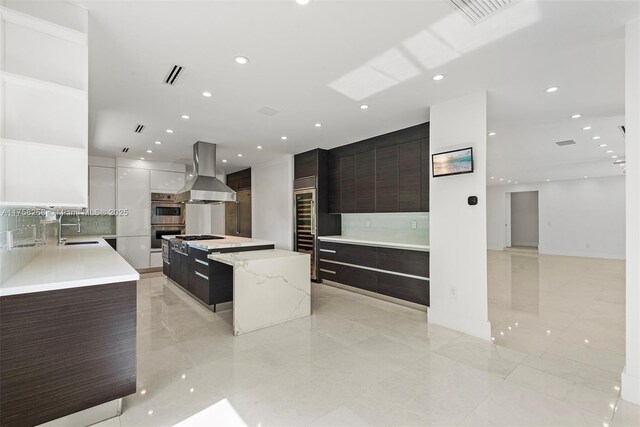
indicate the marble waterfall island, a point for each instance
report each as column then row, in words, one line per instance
column 269, row 287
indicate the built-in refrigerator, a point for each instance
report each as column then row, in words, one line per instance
column 237, row 216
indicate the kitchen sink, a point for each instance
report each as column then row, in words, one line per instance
column 93, row 242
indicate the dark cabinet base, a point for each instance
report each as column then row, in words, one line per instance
column 66, row 350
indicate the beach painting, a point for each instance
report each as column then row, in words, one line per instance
column 452, row 162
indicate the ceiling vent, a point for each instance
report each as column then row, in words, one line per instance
column 125, row 150
column 567, row 142
column 478, row 10
column 173, row 75
column 620, row 162
column 623, row 130
column 138, row 129
column 268, row 111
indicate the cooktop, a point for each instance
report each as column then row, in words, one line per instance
column 199, row 237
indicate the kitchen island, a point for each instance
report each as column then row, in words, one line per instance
column 185, row 262
column 68, row 335
column 269, row 287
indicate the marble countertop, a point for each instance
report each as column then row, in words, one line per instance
column 227, row 242
column 365, row 242
column 234, row 258
column 63, row 267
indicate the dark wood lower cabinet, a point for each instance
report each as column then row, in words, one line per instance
column 404, row 288
column 385, row 261
column 66, row 350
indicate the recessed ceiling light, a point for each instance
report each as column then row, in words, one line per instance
column 585, row 177
column 508, row 180
column 239, row 155
column 596, row 137
column 158, row 142
column 492, row 178
column 184, row 116
column 259, row 147
column 501, row 179
column 492, row 133
column 516, row 182
column 283, row 138
column 207, row 94
column 551, row 89
column 614, row 157
column 364, row 106
column 586, row 128
column 438, row 77
column 149, row 151
column 190, row 175
column 576, row 116
column 224, row 160
column 303, row 2
column 548, row 180
column 318, row 125
column 169, row 131
column 609, row 151
column 141, row 158
column 241, row 59
column 603, row 145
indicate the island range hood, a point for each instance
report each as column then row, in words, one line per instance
column 205, row 188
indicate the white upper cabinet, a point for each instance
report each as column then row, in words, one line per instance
column 166, row 182
column 44, row 106
column 134, row 196
column 102, row 188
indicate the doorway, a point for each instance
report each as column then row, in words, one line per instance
column 522, row 220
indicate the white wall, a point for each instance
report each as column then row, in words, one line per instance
column 458, row 231
column 631, row 373
column 524, row 218
column 582, row 217
column 272, row 197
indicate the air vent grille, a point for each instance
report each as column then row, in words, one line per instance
column 477, row 10
column 268, row 111
column 567, row 142
column 138, row 129
column 125, row 150
column 623, row 129
column 620, row 162
column 174, row 73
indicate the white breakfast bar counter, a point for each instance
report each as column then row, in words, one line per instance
column 269, row 287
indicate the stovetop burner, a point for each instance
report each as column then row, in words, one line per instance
column 199, row 237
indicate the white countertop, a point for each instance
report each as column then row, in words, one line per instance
column 227, row 242
column 63, row 267
column 233, row 258
column 365, row 242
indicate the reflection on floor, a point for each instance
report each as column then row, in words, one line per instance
column 556, row 359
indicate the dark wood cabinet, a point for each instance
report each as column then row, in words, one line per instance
column 386, row 271
column 409, row 177
column 366, row 182
column 333, row 181
column 405, row 261
column 404, row 288
column 387, row 173
column 387, row 179
column 348, row 184
column 305, row 164
column 240, row 180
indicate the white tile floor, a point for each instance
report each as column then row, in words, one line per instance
column 358, row 361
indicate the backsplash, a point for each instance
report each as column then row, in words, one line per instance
column 97, row 225
column 388, row 227
column 26, row 234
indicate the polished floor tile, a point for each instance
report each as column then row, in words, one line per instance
column 359, row 361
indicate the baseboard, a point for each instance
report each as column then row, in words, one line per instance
column 542, row 251
column 89, row 416
column 470, row 326
column 630, row 390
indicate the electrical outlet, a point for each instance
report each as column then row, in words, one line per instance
column 453, row 292
column 367, row 223
column 414, row 224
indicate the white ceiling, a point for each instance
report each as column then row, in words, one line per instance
column 318, row 63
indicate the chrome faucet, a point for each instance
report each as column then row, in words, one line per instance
column 62, row 240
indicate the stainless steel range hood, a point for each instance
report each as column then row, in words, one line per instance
column 205, row 188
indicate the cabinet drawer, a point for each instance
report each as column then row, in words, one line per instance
column 201, row 266
column 200, row 288
column 198, row 254
column 404, row 288
column 404, row 261
column 352, row 276
column 350, row 254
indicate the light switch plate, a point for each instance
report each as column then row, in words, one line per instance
column 414, row 224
